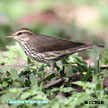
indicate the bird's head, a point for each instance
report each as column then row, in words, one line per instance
column 23, row 34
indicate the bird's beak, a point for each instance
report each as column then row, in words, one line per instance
column 10, row 37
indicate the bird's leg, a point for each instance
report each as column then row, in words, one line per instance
column 57, row 67
column 52, row 66
column 62, row 72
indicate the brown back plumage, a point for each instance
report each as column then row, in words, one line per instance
column 47, row 43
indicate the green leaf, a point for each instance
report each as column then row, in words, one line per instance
column 55, row 89
column 28, row 61
column 69, row 71
column 86, row 76
column 4, row 84
column 61, row 88
column 99, row 85
column 67, row 89
column 14, row 74
column 96, row 59
column 25, row 95
column 33, row 80
column 85, row 84
column 104, row 58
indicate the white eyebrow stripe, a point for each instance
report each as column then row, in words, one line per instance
column 22, row 31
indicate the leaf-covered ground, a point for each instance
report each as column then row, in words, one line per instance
column 72, row 86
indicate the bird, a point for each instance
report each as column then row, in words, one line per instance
column 47, row 49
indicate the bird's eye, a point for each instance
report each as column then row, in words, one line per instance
column 20, row 33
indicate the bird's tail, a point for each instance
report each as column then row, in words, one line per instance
column 100, row 45
column 84, row 47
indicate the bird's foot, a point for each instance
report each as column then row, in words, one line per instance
column 48, row 74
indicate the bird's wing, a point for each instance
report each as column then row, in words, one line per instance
column 47, row 43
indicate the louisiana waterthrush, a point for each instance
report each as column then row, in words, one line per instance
column 46, row 49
